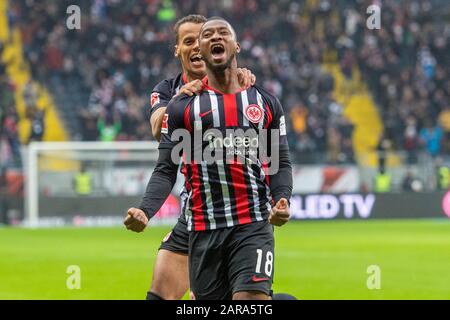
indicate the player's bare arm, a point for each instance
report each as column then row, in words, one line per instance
column 156, row 122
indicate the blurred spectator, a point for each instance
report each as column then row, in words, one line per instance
column 443, row 175
column 411, row 183
column 382, row 183
column 9, row 137
column 410, row 139
column 384, row 146
column 37, row 118
column 3, row 197
column 444, row 122
column 298, row 116
column 30, row 95
column 431, row 137
column 82, row 182
column 108, row 127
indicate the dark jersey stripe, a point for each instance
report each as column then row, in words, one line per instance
column 206, row 115
column 220, row 105
column 239, row 113
column 204, row 207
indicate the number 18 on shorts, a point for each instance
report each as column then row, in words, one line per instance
column 229, row 260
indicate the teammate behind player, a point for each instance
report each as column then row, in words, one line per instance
column 230, row 201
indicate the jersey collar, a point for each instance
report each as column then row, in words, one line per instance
column 207, row 87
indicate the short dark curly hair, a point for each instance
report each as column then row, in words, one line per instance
column 193, row 18
column 224, row 20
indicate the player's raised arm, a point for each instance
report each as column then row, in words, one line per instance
column 281, row 182
column 156, row 122
column 165, row 174
column 159, row 99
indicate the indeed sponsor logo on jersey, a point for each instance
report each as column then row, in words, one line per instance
column 223, row 147
column 231, row 140
column 330, row 206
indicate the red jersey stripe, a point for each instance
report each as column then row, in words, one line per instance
column 187, row 122
column 230, row 110
column 269, row 116
column 241, row 194
column 265, row 167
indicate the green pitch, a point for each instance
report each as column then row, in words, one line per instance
column 313, row 260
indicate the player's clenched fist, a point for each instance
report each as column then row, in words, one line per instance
column 280, row 214
column 191, row 88
column 136, row 220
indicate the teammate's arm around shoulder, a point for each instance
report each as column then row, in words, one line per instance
column 191, row 88
column 157, row 116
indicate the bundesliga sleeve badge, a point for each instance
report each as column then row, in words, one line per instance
column 282, row 126
column 165, row 126
column 154, row 99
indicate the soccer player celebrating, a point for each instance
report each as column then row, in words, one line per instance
column 225, row 203
column 170, row 275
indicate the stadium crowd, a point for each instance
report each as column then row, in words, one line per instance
column 9, row 138
column 125, row 47
column 406, row 65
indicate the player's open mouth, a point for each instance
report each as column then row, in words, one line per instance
column 197, row 60
column 217, row 51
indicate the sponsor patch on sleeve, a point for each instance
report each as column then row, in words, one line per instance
column 282, row 126
column 165, row 126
